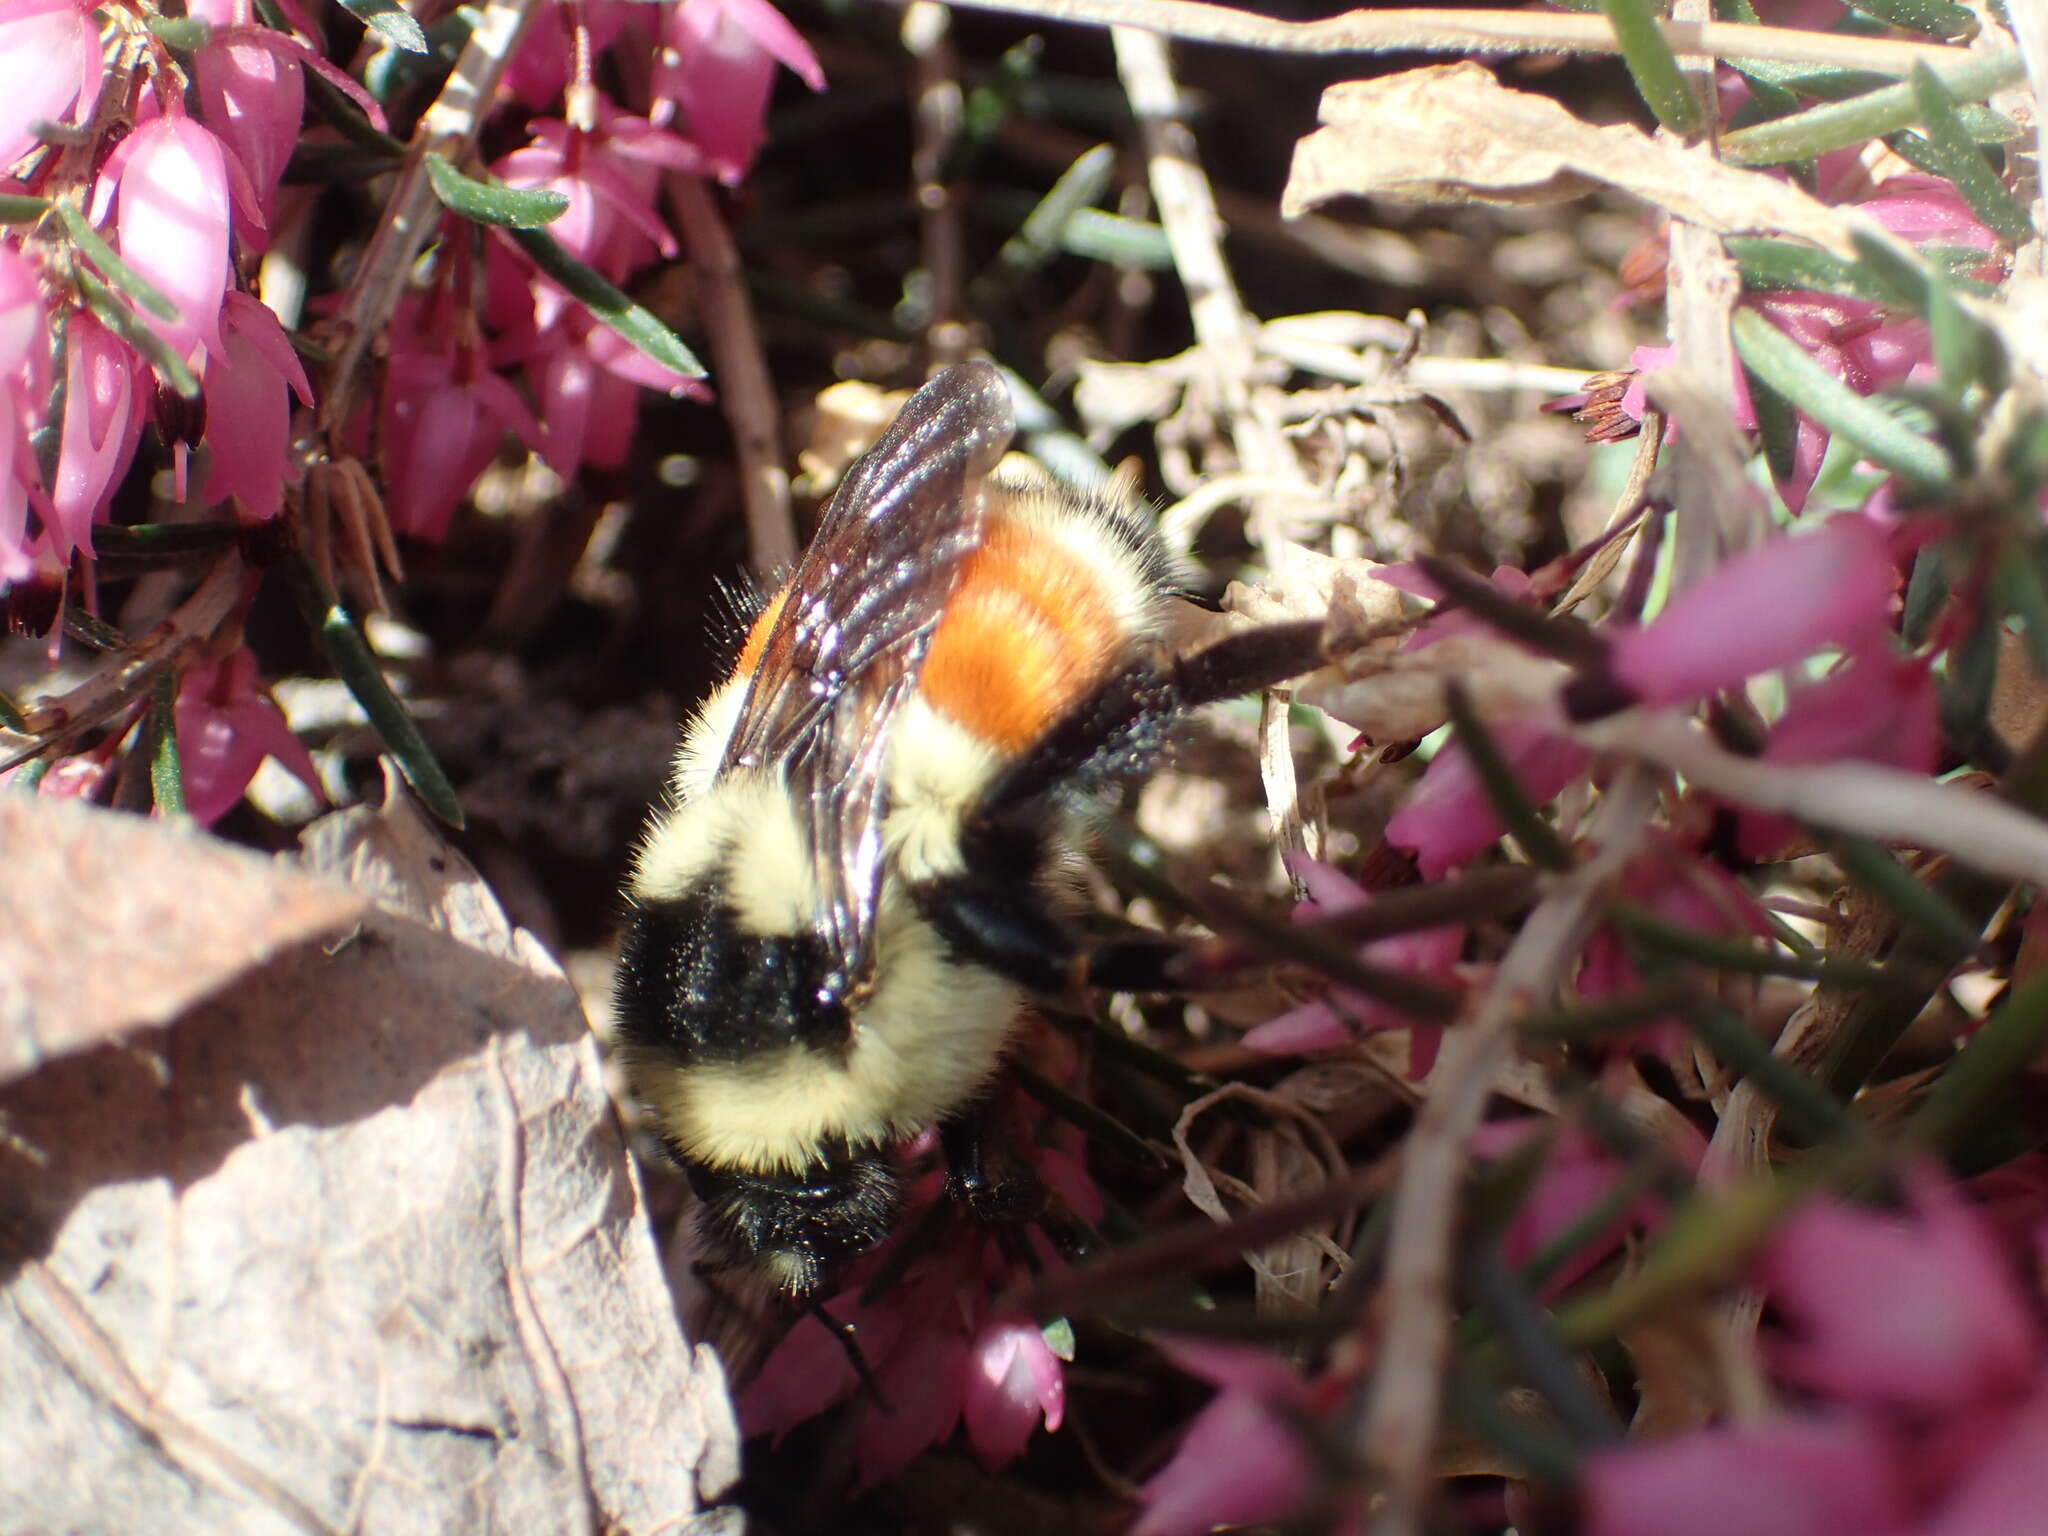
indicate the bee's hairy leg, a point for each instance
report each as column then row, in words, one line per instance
column 1251, row 660
column 996, row 1186
column 1120, row 726
column 1001, row 922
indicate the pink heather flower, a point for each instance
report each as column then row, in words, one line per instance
column 227, row 724
column 49, row 62
column 103, row 410
column 1878, row 707
column 1861, row 343
column 590, row 411
column 79, row 777
column 1331, row 1022
column 1919, row 1311
column 1825, row 1476
column 2006, row 1488
column 1644, row 361
column 254, row 98
column 23, row 321
column 172, row 218
column 1576, row 1175
column 611, row 222
column 1766, row 608
column 1448, row 819
column 923, row 1387
column 1670, row 881
column 939, row 1351
column 1241, row 1461
column 723, row 66
column 444, row 417
column 248, row 408
column 542, row 66
column 1013, row 1380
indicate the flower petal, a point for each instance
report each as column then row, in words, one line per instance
column 1766, row 608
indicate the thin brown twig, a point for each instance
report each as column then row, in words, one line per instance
column 928, row 36
column 744, row 389
column 1434, row 31
column 1407, row 1389
column 53, row 721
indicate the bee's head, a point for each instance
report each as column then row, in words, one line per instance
column 798, row 1227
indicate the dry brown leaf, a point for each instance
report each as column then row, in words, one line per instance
column 1378, row 689
column 1401, row 697
column 1451, row 133
column 2019, row 697
column 110, row 924
column 352, row 1246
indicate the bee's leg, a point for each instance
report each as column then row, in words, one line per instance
column 1120, row 726
column 848, row 1338
column 991, row 916
column 995, row 1186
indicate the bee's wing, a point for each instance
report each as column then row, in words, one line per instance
column 851, row 634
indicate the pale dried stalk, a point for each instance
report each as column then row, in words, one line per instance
column 1886, row 805
column 744, row 389
column 1431, row 31
column 1415, row 1339
column 449, row 128
column 1194, row 231
column 1699, row 298
column 1227, row 338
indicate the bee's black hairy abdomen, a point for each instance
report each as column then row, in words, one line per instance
column 692, row 983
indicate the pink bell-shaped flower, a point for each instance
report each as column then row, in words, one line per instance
column 725, row 53
column 173, row 220
column 49, row 60
column 248, row 408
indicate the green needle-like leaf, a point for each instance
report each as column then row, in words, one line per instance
column 1987, row 1069
column 1788, row 368
column 117, row 317
column 1870, row 115
column 1653, row 65
column 166, row 770
column 1779, row 266
column 492, row 202
column 17, row 209
column 358, row 668
column 607, row 305
column 1511, row 803
column 1962, row 162
column 1937, row 18
column 390, row 21
column 119, row 273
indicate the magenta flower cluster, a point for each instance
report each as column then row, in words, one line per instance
column 153, row 334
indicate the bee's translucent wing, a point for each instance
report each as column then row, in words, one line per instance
column 851, row 633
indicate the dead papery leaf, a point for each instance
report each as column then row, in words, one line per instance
column 1451, row 133
column 1401, row 697
column 2019, row 697
column 1384, row 692
column 353, row 1245
column 110, row 924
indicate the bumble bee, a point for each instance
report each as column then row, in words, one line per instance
column 840, row 917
